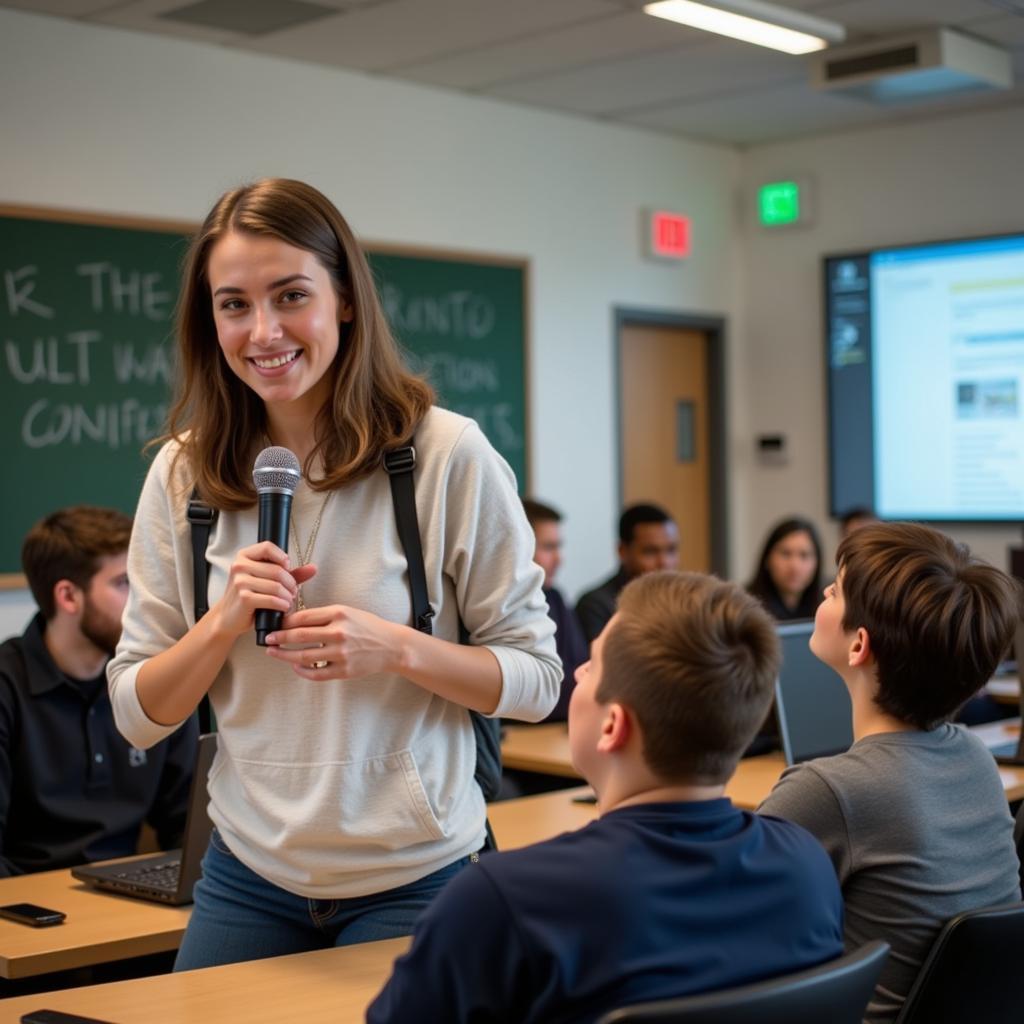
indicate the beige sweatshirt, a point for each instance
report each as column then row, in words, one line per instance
column 343, row 788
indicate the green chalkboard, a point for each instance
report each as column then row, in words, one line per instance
column 462, row 323
column 85, row 323
column 85, row 317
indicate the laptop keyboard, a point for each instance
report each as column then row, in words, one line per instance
column 160, row 876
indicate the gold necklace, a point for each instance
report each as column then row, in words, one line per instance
column 305, row 555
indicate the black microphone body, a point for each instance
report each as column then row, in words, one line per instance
column 275, row 515
column 276, row 474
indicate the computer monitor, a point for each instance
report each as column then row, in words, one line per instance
column 812, row 705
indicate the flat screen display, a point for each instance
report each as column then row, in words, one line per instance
column 925, row 348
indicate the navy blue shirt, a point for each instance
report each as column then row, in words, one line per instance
column 648, row 902
column 572, row 649
column 72, row 789
column 595, row 608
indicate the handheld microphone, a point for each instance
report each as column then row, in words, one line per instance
column 276, row 473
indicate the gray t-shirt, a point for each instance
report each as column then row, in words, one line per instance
column 919, row 830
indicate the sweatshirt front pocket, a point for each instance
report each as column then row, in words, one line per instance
column 379, row 803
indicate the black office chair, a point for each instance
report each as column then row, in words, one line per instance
column 972, row 971
column 831, row 993
column 1018, row 838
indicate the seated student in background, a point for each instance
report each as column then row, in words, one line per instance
column 572, row 648
column 854, row 519
column 913, row 815
column 72, row 789
column 788, row 577
column 648, row 541
column 672, row 890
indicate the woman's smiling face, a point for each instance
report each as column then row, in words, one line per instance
column 278, row 317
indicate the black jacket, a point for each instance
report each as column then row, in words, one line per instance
column 72, row 789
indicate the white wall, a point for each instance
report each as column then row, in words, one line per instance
column 935, row 179
column 105, row 120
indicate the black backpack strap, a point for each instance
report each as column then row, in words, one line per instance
column 400, row 464
column 201, row 519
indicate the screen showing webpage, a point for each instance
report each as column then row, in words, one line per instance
column 948, row 339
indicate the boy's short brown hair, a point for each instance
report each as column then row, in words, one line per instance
column 939, row 620
column 68, row 545
column 695, row 659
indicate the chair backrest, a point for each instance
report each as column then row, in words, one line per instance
column 835, row 992
column 971, row 971
column 1018, row 838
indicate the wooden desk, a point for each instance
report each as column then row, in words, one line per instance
column 1004, row 690
column 100, row 927
column 331, row 986
column 545, row 748
column 538, row 748
column 531, row 819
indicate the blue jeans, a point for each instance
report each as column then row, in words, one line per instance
column 240, row 916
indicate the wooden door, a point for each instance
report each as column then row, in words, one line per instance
column 664, row 427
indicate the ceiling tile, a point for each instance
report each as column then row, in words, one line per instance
column 884, row 17
column 962, row 103
column 145, row 16
column 593, row 57
column 687, row 72
column 258, row 16
column 760, row 115
column 604, row 38
column 62, row 8
column 404, row 32
column 1004, row 31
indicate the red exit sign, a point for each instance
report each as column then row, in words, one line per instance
column 669, row 235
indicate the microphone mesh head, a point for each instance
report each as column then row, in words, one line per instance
column 276, row 469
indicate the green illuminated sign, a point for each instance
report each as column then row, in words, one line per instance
column 779, row 203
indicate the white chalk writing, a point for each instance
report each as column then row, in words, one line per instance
column 112, row 289
column 459, row 314
column 452, row 373
column 154, row 364
column 44, row 362
column 113, row 424
column 19, row 285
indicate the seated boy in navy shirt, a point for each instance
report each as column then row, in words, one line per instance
column 672, row 890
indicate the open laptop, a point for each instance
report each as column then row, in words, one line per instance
column 1009, row 751
column 167, row 877
column 812, row 705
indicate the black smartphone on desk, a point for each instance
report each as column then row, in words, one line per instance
column 29, row 913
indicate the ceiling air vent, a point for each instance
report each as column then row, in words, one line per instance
column 921, row 65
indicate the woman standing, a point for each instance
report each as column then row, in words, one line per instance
column 342, row 793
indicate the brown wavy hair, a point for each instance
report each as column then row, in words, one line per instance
column 377, row 402
column 939, row 618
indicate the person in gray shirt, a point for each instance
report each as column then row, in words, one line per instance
column 913, row 815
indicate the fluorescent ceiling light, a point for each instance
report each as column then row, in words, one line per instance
column 753, row 21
